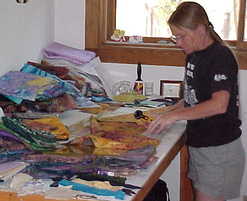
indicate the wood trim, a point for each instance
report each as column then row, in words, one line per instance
column 242, row 59
column 92, row 28
column 241, row 21
column 111, row 21
column 186, row 192
column 133, row 55
column 99, row 23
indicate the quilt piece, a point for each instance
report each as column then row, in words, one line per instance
column 20, row 85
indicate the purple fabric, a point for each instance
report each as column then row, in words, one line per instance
column 9, row 135
column 73, row 55
column 10, row 165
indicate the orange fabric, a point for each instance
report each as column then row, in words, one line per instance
column 49, row 124
column 119, row 135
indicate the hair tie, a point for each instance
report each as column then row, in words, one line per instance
column 210, row 25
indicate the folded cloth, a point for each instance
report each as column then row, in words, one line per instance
column 88, row 189
column 9, row 169
column 74, row 55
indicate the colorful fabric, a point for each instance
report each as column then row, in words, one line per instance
column 119, row 135
column 62, row 87
column 67, row 87
column 63, row 72
column 58, row 104
column 94, row 84
column 52, row 125
column 97, row 191
column 36, row 140
column 97, row 184
column 20, row 85
column 10, row 143
column 37, row 109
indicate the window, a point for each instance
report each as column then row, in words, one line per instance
column 102, row 18
column 148, row 17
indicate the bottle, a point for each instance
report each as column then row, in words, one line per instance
column 138, row 86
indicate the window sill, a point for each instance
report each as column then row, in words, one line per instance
column 151, row 53
column 162, row 43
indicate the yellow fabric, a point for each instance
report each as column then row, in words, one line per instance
column 98, row 184
column 101, row 107
column 42, row 81
column 126, row 142
column 49, row 124
column 108, row 152
column 119, row 135
column 120, row 127
column 128, row 97
column 151, row 113
column 101, row 142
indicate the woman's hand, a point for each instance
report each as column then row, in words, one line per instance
column 160, row 123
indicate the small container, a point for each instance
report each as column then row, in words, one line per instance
column 148, row 88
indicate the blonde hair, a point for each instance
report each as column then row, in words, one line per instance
column 191, row 14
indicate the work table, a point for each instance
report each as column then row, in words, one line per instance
column 172, row 141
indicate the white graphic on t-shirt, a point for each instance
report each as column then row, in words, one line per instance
column 190, row 69
column 190, row 95
column 219, row 77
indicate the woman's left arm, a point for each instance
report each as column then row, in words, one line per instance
column 216, row 105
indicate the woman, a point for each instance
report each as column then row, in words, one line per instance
column 210, row 105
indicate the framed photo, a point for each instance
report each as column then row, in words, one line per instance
column 171, row 89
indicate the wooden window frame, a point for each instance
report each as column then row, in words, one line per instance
column 101, row 21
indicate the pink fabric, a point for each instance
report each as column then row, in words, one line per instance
column 73, row 55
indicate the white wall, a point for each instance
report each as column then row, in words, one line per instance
column 25, row 30
column 118, row 72
column 70, row 22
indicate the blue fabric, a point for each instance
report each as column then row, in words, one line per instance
column 99, row 99
column 88, row 189
column 68, row 87
column 15, row 99
column 16, row 86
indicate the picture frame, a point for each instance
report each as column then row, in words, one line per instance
column 171, row 89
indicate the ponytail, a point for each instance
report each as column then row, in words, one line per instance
column 215, row 36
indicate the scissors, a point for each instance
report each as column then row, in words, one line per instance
column 139, row 115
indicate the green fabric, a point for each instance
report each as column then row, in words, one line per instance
column 34, row 139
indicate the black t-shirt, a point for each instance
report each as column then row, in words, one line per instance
column 207, row 71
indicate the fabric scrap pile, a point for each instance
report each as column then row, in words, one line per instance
column 35, row 139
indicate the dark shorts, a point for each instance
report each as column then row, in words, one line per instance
column 217, row 171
